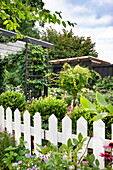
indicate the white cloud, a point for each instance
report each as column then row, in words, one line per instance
column 102, row 2
column 88, row 24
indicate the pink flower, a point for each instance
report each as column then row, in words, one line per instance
column 40, row 157
column 2, row 138
column 109, row 146
column 45, row 146
column 26, row 155
column 19, row 162
column 106, row 156
column 14, row 164
column 84, row 160
column 46, row 159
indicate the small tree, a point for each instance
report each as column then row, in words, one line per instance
column 74, row 79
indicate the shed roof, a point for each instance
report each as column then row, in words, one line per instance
column 95, row 61
column 26, row 39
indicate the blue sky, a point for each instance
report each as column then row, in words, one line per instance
column 94, row 18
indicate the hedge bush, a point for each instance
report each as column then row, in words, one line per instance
column 48, row 106
column 13, row 100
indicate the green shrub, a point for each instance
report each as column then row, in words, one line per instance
column 88, row 115
column 49, row 106
column 6, row 140
column 13, row 100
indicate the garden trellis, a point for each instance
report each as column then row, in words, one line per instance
column 29, row 40
column 97, row 141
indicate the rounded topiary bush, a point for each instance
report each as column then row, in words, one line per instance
column 49, row 106
column 13, row 100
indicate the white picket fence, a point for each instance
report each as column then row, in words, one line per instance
column 97, row 142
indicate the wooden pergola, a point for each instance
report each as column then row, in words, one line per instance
column 29, row 40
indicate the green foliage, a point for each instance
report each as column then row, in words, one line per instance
column 104, row 84
column 15, row 68
column 77, row 113
column 6, row 140
column 64, row 157
column 14, row 12
column 67, row 45
column 74, row 79
column 14, row 154
column 100, row 99
column 13, row 100
column 48, row 106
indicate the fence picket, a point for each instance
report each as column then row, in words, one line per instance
column 82, row 127
column 17, row 120
column 9, row 120
column 1, row 117
column 27, row 136
column 98, row 140
column 66, row 129
column 37, row 131
column 53, row 129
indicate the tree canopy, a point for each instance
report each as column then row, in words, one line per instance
column 14, row 12
column 67, row 45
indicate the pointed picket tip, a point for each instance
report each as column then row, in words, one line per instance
column 1, row 108
column 81, row 119
column 8, row 109
column 66, row 118
column 52, row 117
column 16, row 111
column 37, row 114
column 98, row 122
column 26, row 113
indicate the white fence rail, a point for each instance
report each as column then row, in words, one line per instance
column 97, row 142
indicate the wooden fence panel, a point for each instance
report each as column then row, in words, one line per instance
column 99, row 140
column 1, row 117
column 53, row 129
column 66, row 129
column 9, row 120
column 27, row 136
column 17, row 120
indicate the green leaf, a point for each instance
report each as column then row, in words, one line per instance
column 80, row 136
column 92, row 158
column 99, row 116
column 110, row 108
column 64, row 24
column 97, row 162
column 69, row 143
column 101, row 99
column 75, row 141
column 87, row 104
column 5, row 22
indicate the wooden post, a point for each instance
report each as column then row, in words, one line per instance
column 26, row 70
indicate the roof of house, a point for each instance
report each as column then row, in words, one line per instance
column 26, row 39
column 94, row 60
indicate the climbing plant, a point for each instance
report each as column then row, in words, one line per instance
column 14, row 65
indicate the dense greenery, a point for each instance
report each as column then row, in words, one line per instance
column 74, row 79
column 13, row 13
column 6, row 140
column 14, row 68
column 13, row 100
column 49, row 106
column 67, row 45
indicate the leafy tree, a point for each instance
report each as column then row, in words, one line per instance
column 67, row 45
column 74, row 79
column 13, row 12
